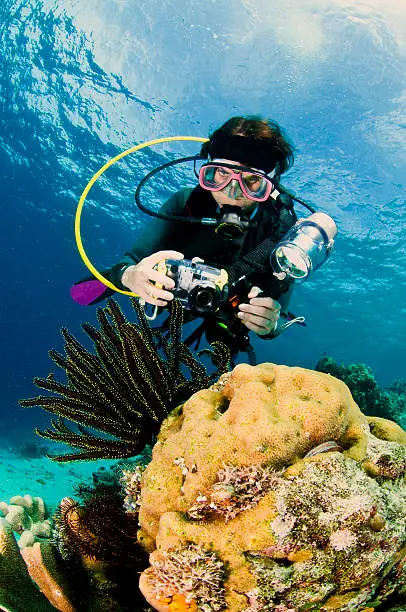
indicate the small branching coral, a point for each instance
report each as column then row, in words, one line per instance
column 126, row 389
column 131, row 483
column 191, row 573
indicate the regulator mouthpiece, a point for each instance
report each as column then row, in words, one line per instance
column 305, row 247
column 233, row 223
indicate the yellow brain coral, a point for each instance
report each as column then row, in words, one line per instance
column 264, row 415
column 230, row 498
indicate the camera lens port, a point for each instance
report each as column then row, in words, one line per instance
column 203, row 299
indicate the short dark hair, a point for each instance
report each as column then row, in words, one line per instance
column 252, row 140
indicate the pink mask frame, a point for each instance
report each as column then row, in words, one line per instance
column 238, row 177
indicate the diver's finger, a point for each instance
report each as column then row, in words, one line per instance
column 253, row 327
column 156, row 292
column 254, row 292
column 160, row 255
column 255, row 319
column 260, row 311
column 266, row 302
column 260, row 308
column 259, row 325
column 155, row 296
column 159, row 278
column 154, row 301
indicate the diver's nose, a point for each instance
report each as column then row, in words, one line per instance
column 234, row 189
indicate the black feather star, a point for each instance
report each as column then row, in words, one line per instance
column 126, row 388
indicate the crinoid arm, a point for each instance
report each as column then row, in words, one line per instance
column 118, row 395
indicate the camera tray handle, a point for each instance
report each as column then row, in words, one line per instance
column 279, row 329
column 154, row 314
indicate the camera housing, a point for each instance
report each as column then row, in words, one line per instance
column 200, row 288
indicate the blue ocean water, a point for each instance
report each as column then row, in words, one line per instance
column 81, row 82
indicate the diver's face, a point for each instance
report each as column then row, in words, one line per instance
column 232, row 194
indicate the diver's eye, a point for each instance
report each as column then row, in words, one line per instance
column 252, row 180
column 222, row 172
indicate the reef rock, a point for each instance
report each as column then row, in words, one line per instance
column 271, row 491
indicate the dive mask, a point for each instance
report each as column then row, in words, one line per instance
column 253, row 184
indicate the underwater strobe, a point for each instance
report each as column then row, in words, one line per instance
column 305, row 247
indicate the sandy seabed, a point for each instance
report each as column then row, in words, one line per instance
column 42, row 477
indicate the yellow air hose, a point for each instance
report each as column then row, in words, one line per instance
column 88, row 187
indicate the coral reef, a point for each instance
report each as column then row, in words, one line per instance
column 37, row 561
column 22, row 571
column 374, row 401
column 126, row 389
column 28, row 517
column 90, row 563
column 336, row 534
column 396, row 394
column 276, row 476
column 270, row 490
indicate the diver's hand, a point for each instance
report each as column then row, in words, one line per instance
column 261, row 314
column 143, row 279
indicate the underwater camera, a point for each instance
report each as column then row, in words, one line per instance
column 200, row 288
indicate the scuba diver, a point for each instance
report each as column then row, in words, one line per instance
column 211, row 246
